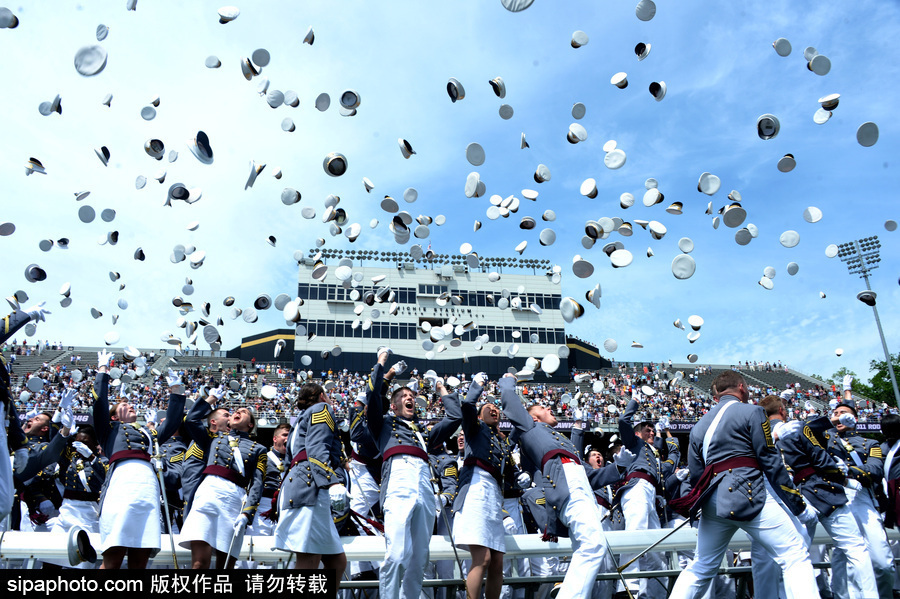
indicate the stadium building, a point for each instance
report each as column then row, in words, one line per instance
column 453, row 314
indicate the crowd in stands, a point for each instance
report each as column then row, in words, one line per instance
column 594, row 397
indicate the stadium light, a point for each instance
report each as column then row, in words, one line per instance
column 862, row 257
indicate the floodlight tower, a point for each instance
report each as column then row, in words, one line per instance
column 861, row 257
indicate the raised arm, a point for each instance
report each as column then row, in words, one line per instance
column 100, row 391
column 626, row 429
column 375, row 410
column 512, row 405
column 448, row 424
column 195, row 426
column 469, row 408
column 175, row 410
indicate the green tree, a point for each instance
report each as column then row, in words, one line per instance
column 880, row 388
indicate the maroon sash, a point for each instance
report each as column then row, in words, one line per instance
column 686, row 505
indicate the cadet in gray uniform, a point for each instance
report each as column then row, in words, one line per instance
column 478, row 525
column 228, row 496
column 195, row 459
column 735, row 471
column 130, row 501
column 407, row 495
column 570, row 504
column 276, row 466
column 863, row 463
column 638, row 496
column 313, row 487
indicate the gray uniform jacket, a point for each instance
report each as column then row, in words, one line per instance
column 814, row 471
column 276, row 466
column 121, row 441
column 365, row 450
column 543, row 451
column 448, row 473
column 71, row 466
column 842, row 445
column 191, row 472
column 313, row 456
column 601, row 478
column 220, row 456
column 485, row 447
column 396, row 436
column 743, row 432
column 646, row 464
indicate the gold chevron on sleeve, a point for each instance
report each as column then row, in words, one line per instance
column 323, row 417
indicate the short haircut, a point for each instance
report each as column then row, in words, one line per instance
column 282, row 426
column 727, row 380
column 88, row 431
column 772, row 404
column 641, row 425
column 532, row 408
column 890, row 426
column 398, row 391
column 212, row 415
column 309, row 395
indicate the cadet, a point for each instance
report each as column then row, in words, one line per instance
column 570, row 504
column 313, row 487
column 407, row 495
column 228, row 496
column 130, row 501
column 735, row 472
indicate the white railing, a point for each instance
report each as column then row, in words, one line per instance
column 16, row 545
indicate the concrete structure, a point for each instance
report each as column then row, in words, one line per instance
column 447, row 315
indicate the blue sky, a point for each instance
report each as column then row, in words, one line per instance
column 721, row 73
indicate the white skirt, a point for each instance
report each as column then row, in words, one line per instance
column 308, row 529
column 480, row 522
column 216, row 506
column 130, row 515
column 75, row 512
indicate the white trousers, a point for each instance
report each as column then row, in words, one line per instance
column 364, row 494
column 409, row 511
column 581, row 516
column 862, row 506
column 859, row 576
column 639, row 509
column 772, row 528
column 514, row 525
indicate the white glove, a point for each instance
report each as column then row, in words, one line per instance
column 809, row 515
column 842, row 466
column 38, row 312
column 659, row 429
column 150, row 417
column 68, row 419
column 480, row 378
column 445, row 501
column 31, row 413
column 523, row 480
column 82, row 449
column 664, row 422
column 68, row 395
column 624, row 458
column 57, row 417
column 682, row 474
column 400, row 367
column 240, row 523
column 338, row 495
column 848, row 420
column 174, row 382
column 218, row 392
column 848, row 381
column 790, row 430
column 104, row 358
